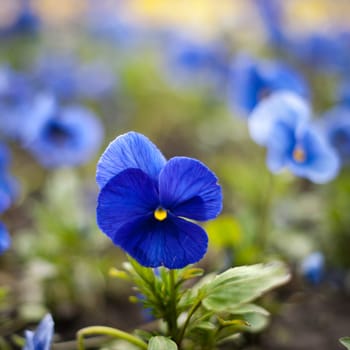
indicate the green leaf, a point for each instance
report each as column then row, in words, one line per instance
column 247, row 309
column 345, row 341
column 240, row 285
column 257, row 322
column 161, row 343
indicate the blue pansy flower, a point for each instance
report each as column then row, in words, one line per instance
column 40, row 339
column 147, row 204
column 312, row 267
column 318, row 49
column 67, row 78
column 5, row 239
column 16, row 98
column 9, row 187
column 63, row 136
column 321, row 50
column 272, row 17
column 285, row 106
column 291, row 142
column 110, row 21
column 335, row 124
column 191, row 61
column 25, row 21
column 251, row 80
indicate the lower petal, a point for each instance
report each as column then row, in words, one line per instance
column 173, row 243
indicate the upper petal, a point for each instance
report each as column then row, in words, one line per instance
column 130, row 150
column 127, row 196
column 280, row 146
column 281, row 106
column 188, row 188
column 173, row 243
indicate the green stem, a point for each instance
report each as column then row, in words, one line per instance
column 172, row 314
column 108, row 331
column 193, row 309
column 265, row 217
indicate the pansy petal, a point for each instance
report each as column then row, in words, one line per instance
column 43, row 335
column 279, row 146
column 285, row 106
column 188, row 188
column 322, row 163
column 130, row 150
column 173, row 243
column 125, row 197
column 5, row 239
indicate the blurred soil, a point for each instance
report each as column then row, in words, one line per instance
column 312, row 319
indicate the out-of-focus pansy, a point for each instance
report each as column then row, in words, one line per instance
column 293, row 143
column 41, row 338
column 252, row 80
column 271, row 13
column 16, row 95
column 327, row 50
column 111, row 24
column 312, row 268
column 322, row 50
column 5, row 238
column 281, row 106
column 343, row 92
column 24, row 20
column 190, row 62
column 63, row 136
column 67, row 78
column 144, row 200
column 9, row 186
column 335, row 124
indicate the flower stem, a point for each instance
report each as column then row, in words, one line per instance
column 108, row 331
column 193, row 309
column 265, row 217
column 172, row 315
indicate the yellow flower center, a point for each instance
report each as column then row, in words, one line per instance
column 160, row 214
column 299, row 154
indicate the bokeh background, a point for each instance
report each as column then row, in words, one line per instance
column 76, row 74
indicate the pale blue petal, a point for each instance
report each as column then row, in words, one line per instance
column 285, row 106
column 322, row 163
column 130, row 150
column 280, row 146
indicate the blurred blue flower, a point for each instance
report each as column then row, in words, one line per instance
column 146, row 204
column 251, row 80
column 9, row 187
column 5, row 239
column 107, row 20
column 312, row 268
column 189, row 61
column 63, row 136
column 66, row 78
column 40, row 339
column 16, row 96
column 25, row 21
column 343, row 92
column 321, row 50
column 318, row 49
column 335, row 124
column 291, row 142
column 280, row 106
column 272, row 17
